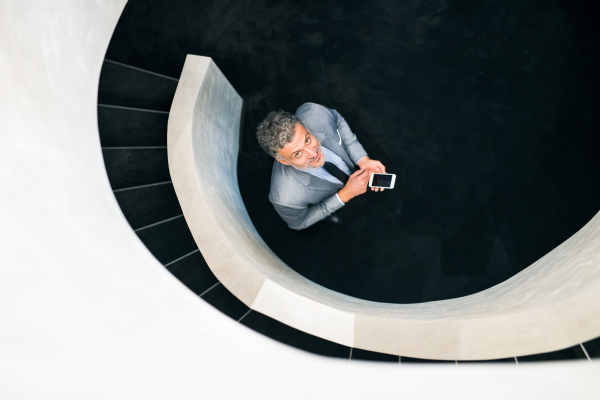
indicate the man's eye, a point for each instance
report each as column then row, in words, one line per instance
column 307, row 140
column 297, row 155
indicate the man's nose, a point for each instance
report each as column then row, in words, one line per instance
column 311, row 152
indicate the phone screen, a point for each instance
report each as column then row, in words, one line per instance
column 382, row 180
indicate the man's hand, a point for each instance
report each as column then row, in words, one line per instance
column 372, row 167
column 356, row 185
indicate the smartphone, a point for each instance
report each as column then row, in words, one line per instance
column 386, row 181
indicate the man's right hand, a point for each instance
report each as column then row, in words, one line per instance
column 356, row 185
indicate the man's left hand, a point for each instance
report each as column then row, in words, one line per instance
column 373, row 167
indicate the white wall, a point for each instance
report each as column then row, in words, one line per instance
column 86, row 312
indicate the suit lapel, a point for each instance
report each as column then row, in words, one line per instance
column 321, row 184
column 312, row 182
column 303, row 177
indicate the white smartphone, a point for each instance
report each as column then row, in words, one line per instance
column 385, row 181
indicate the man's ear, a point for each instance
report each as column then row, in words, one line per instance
column 281, row 160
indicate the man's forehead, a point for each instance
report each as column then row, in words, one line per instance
column 300, row 128
column 299, row 134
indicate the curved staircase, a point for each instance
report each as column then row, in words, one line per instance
column 133, row 110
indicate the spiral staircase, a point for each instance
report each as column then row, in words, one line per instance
column 133, row 110
column 89, row 312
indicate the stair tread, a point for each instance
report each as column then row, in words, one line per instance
column 168, row 241
column 123, row 127
column 146, row 205
column 129, row 167
column 123, row 86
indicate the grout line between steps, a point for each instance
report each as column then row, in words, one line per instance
column 182, row 257
column 244, row 316
column 141, row 186
column 133, row 109
column 142, row 70
column 134, row 147
column 158, row 223
column 209, row 289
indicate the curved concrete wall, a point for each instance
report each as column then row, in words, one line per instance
column 87, row 312
column 553, row 304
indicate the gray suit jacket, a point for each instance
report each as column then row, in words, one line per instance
column 302, row 199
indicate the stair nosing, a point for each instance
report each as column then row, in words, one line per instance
column 133, row 108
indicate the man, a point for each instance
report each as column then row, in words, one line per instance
column 315, row 153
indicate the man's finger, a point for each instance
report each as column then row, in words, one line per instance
column 359, row 172
column 363, row 177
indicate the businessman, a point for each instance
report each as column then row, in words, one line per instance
column 314, row 171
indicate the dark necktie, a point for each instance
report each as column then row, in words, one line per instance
column 336, row 172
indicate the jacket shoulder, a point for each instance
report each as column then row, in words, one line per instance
column 317, row 118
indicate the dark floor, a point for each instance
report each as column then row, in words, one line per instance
column 487, row 112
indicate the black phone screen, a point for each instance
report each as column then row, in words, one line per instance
column 382, row 180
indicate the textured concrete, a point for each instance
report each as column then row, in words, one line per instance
column 552, row 304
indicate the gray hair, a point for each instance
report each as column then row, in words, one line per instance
column 275, row 131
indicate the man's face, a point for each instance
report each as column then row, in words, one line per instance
column 303, row 152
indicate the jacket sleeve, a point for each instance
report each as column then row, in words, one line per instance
column 355, row 149
column 298, row 217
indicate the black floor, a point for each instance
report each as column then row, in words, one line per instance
column 487, row 112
